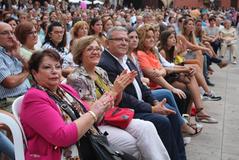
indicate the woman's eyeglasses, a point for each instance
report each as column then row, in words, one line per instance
column 92, row 49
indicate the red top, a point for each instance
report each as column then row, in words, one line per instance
column 148, row 60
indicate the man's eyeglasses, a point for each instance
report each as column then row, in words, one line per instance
column 7, row 33
column 120, row 39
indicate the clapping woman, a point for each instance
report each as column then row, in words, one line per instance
column 51, row 132
column 91, row 82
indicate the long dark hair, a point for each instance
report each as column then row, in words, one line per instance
column 92, row 23
column 62, row 44
column 164, row 45
column 130, row 30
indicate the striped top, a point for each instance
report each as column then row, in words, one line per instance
column 62, row 53
column 10, row 66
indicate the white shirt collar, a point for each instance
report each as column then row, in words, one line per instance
column 122, row 60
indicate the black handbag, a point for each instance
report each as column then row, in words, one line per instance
column 96, row 147
column 93, row 145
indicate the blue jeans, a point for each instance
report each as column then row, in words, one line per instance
column 173, row 122
column 169, row 131
column 6, row 146
column 160, row 94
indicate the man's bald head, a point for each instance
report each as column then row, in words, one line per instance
column 3, row 24
column 6, row 36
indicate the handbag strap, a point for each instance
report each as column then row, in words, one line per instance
column 71, row 111
column 95, row 129
column 64, row 106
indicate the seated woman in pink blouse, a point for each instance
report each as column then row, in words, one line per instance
column 50, row 132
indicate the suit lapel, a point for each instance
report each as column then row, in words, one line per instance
column 115, row 63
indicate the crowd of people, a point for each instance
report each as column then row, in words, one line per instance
column 74, row 64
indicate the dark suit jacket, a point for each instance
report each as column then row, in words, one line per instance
column 129, row 98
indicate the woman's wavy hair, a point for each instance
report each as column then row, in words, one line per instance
column 79, row 46
column 191, row 36
column 104, row 21
column 78, row 25
column 142, row 33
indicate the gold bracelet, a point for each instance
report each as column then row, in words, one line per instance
column 93, row 115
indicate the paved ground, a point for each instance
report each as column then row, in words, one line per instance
column 220, row 141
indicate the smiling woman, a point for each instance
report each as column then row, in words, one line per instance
column 53, row 117
column 92, row 82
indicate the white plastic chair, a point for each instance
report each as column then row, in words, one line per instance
column 16, row 133
column 16, row 110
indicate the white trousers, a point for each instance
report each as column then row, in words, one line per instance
column 139, row 139
column 232, row 46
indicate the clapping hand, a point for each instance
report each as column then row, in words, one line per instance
column 123, row 80
column 105, row 102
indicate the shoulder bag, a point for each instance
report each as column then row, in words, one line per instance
column 93, row 145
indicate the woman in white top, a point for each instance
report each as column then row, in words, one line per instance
column 229, row 39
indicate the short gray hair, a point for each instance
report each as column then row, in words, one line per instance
column 228, row 21
column 113, row 29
